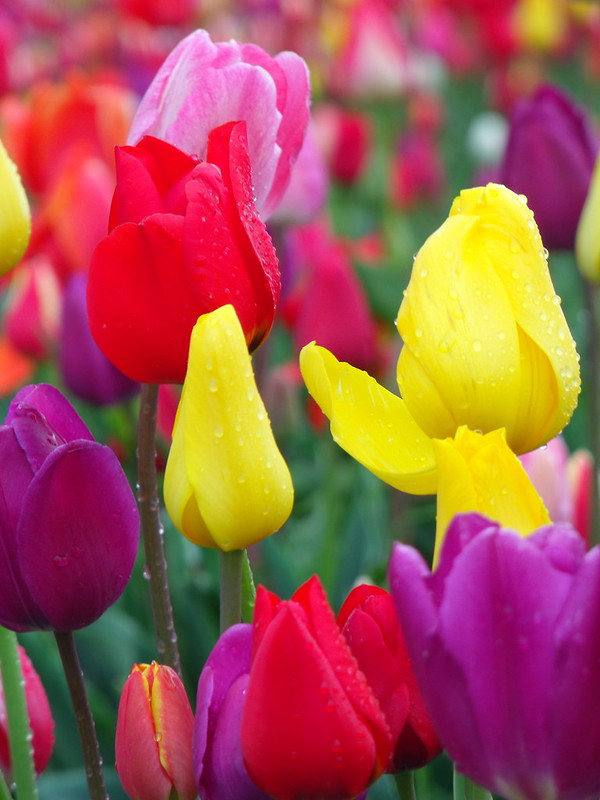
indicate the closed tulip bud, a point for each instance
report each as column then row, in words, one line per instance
column 226, row 483
column 370, row 626
column 15, row 218
column 153, row 743
column 587, row 238
column 40, row 720
column 54, row 477
column 311, row 725
column 485, row 339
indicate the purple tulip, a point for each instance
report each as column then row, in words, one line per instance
column 549, row 157
column 218, row 761
column 505, row 642
column 84, row 368
column 69, row 525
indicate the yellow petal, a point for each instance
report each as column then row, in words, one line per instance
column 15, row 218
column 587, row 239
column 479, row 472
column 237, row 487
column 369, row 422
column 486, row 343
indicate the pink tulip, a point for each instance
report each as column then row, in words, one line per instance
column 203, row 84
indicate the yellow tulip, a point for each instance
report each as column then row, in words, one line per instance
column 587, row 238
column 226, row 483
column 485, row 341
column 15, row 217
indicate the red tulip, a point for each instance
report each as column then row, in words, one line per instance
column 311, row 726
column 184, row 240
column 371, row 628
column 153, row 742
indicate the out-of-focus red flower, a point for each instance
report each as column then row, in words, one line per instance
column 40, row 720
column 159, row 12
column 185, row 239
column 370, row 626
column 418, row 172
column 153, row 743
column 311, row 726
column 345, row 139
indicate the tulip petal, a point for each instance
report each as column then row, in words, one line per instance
column 240, row 481
column 481, row 473
column 15, row 218
column 91, row 546
column 53, row 407
column 370, row 423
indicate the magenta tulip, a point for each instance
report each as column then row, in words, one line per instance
column 69, row 525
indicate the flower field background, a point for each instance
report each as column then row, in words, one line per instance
column 411, row 104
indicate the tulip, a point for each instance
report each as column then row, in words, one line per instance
column 504, row 638
column 311, row 725
column 217, row 753
column 184, row 239
column 15, row 218
column 369, row 624
column 549, row 157
column 203, row 85
column 226, row 483
column 153, row 743
column 40, row 720
column 485, row 339
column 84, row 368
column 587, row 241
column 69, row 524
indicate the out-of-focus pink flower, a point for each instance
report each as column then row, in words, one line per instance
column 328, row 303
column 345, row 139
column 203, row 84
column 33, row 307
column 40, row 720
column 373, row 61
column 418, row 173
column 564, row 482
column 159, row 12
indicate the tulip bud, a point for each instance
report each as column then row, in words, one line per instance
column 15, row 218
column 226, row 483
column 311, row 725
column 370, row 626
column 485, row 339
column 40, row 720
column 587, row 238
column 153, row 744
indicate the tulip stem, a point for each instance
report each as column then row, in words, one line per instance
column 405, row 783
column 231, row 563
column 83, row 715
column 19, row 731
column 152, row 531
column 465, row 789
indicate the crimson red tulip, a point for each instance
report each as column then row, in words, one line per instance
column 184, row 239
column 370, row 626
column 311, row 725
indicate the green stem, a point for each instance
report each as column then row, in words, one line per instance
column 231, row 563
column 83, row 715
column 152, row 531
column 405, row 783
column 465, row 789
column 4, row 790
column 19, row 732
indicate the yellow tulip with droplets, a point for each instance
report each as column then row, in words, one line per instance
column 226, row 483
column 15, row 217
column 485, row 341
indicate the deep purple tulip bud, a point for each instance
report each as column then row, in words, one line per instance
column 69, row 524
column 218, row 761
column 84, row 368
column 504, row 638
column 549, row 157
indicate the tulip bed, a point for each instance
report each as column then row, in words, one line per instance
column 330, row 362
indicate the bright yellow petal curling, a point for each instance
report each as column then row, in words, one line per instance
column 370, row 423
column 479, row 472
column 15, row 218
column 485, row 341
column 226, row 483
column 587, row 239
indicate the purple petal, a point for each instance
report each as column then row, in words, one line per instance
column 576, row 691
column 17, row 610
column 78, row 534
